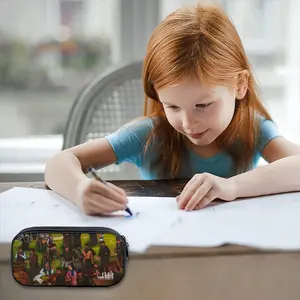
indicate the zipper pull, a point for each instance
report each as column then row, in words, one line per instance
column 126, row 246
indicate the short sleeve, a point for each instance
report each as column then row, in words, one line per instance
column 128, row 142
column 268, row 130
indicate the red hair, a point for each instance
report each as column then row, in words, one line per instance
column 200, row 42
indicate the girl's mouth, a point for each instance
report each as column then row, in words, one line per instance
column 197, row 135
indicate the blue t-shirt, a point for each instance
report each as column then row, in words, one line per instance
column 128, row 144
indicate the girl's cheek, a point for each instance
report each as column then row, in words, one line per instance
column 174, row 121
column 171, row 119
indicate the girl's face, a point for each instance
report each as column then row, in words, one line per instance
column 201, row 113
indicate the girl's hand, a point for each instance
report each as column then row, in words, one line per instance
column 203, row 189
column 95, row 197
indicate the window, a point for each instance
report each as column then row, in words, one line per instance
column 49, row 51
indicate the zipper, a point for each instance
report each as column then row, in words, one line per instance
column 126, row 247
column 61, row 229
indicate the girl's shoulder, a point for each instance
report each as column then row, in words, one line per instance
column 128, row 141
column 267, row 130
column 265, row 125
column 141, row 123
column 139, row 127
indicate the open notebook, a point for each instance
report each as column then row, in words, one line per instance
column 270, row 222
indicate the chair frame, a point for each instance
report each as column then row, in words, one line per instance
column 83, row 106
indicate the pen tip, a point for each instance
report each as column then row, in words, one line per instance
column 129, row 211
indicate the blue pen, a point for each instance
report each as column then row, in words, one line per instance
column 96, row 176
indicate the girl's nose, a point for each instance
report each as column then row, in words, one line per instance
column 188, row 122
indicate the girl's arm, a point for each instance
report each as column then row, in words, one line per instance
column 66, row 169
column 65, row 172
column 282, row 174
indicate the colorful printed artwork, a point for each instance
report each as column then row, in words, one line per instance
column 68, row 259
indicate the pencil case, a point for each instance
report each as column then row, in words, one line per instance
column 69, row 256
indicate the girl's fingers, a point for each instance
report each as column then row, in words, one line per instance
column 117, row 189
column 98, row 205
column 189, row 192
column 197, row 197
column 108, row 192
column 208, row 198
column 187, row 186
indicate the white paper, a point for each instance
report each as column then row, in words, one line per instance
column 26, row 207
column 194, row 228
column 269, row 222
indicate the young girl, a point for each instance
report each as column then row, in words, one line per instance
column 203, row 122
column 72, row 274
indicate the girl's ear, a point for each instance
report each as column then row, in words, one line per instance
column 242, row 85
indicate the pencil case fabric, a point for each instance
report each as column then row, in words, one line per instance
column 69, row 256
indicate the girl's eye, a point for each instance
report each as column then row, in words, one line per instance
column 203, row 105
column 172, row 107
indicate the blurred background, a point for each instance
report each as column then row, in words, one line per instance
column 51, row 49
